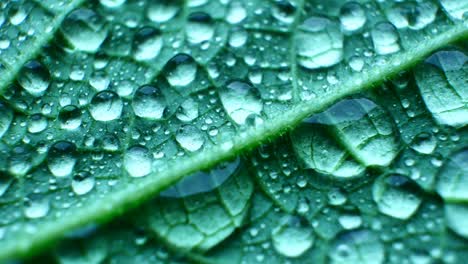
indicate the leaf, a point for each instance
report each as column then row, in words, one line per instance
column 125, row 98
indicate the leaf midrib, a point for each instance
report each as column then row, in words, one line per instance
column 141, row 190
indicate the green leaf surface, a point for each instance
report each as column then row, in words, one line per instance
column 104, row 104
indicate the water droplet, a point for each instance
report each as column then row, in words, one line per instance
column 106, row 106
column 162, row 11
column 236, row 13
column 193, row 3
column 82, row 182
column 415, row 15
column 125, row 88
column 5, row 182
column 452, row 181
column 240, row 100
column 385, row 38
column 181, row 70
column 424, row 143
column 336, row 197
column 352, row 16
column 202, row 181
column 61, row 158
column 396, row 195
column 20, row 161
column 238, row 37
column 356, row 63
column 190, row 138
column 319, row 43
column 17, row 14
column 70, row 117
column 456, row 215
column 199, row 28
column 357, row 246
column 350, row 221
column 147, row 44
column 187, row 111
column 6, row 117
column 148, row 102
column 99, row 80
column 110, row 143
column 84, row 29
column 455, row 9
column 34, row 78
column 112, row 3
column 36, row 207
column 292, row 237
column 137, row 161
column 36, row 123
column 284, row 11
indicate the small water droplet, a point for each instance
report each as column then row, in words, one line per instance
column 6, row 117
column 61, row 158
column 236, row 13
column 284, row 11
column 238, row 37
column 112, row 3
column 36, row 207
column 137, row 161
column 34, row 78
column 149, row 102
column 352, row 16
column 147, row 44
column 350, row 221
column 357, row 246
column 187, row 111
column 82, row 182
column 106, row 106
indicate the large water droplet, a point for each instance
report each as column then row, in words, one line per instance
column 181, row 70
column 385, row 38
column 61, row 158
column 36, row 123
column 396, row 195
column 319, row 43
column 162, row 11
column 240, row 100
column 284, row 11
column 352, row 16
column 292, row 237
column 452, row 181
column 84, row 29
column 82, row 183
column 106, row 106
column 190, row 138
column 137, row 161
column 412, row 14
column 424, row 143
column 112, row 3
column 70, row 117
column 34, row 78
column 236, row 13
column 199, row 28
column 455, row 9
column 147, row 44
column 6, row 117
column 202, row 181
column 16, row 14
column 36, row 207
column 188, row 110
column 456, row 215
column 20, row 161
column 148, row 102
column 238, row 37
column 357, row 246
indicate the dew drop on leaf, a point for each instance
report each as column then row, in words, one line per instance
column 424, row 143
column 350, row 221
column 240, row 100
column 194, row 3
column 319, row 43
column 163, row 11
column 292, row 237
column 415, row 15
column 5, row 182
column 61, row 158
column 99, row 80
column 236, row 13
column 84, row 29
column 106, row 106
column 455, row 9
column 149, row 102
column 137, row 161
column 112, row 3
column 36, row 207
column 283, row 11
column 70, row 117
column 82, row 182
column 199, row 28
column 237, row 38
column 187, row 111
column 352, row 17
column 452, row 181
column 181, row 70
column 385, row 38
column 34, row 78
column 147, row 44
column 396, row 195
column 336, row 197
column 20, row 161
column 357, row 246
column 6, row 117
column 456, row 215
column 17, row 14
column 190, row 138
column 36, row 123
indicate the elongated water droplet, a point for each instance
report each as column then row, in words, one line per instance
column 190, row 138
column 163, row 10
column 240, row 100
column 5, row 182
column 199, row 28
column 424, row 143
column 70, row 117
column 137, row 161
column 148, row 102
column 319, row 43
column 147, row 44
column 106, row 106
column 61, row 158
column 34, row 78
column 84, row 29
column 6, row 117
column 385, row 38
column 396, row 195
column 82, row 183
column 352, row 16
column 181, row 70
column 292, row 237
